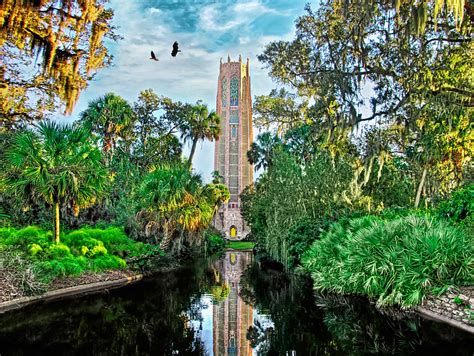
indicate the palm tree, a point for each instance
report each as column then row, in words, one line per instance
column 261, row 152
column 216, row 177
column 200, row 125
column 175, row 199
column 110, row 116
column 58, row 164
column 167, row 190
column 217, row 194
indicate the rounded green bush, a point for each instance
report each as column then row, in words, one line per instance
column 34, row 249
column 59, row 250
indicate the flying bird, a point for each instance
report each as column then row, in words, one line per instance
column 153, row 56
column 175, row 50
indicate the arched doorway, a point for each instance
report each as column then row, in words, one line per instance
column 233, row 232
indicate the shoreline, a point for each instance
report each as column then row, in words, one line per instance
column 71, row 291
column 428, row 314
column 442, row 309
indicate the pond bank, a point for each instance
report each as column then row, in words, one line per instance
column 68, row 287
column 455, row 307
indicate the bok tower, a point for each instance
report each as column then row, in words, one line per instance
column 234, row 106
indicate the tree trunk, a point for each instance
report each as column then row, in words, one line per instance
column 193, row 149
column 56, row 222
column 165, row 242
column 420, row 187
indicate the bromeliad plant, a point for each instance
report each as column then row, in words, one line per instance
column 58, row 164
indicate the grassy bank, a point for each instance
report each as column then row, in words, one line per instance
column 30, row 261
column 396, row 261
column 240, row 245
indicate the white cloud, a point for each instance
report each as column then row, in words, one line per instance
column 239, row 14
column 154, row 10
column 192, row 75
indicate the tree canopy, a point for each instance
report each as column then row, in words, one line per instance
column 50, row 50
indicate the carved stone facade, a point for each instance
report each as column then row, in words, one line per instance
column 234, row 105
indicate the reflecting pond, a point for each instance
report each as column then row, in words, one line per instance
column 229, row 306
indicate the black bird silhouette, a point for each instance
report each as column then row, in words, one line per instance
column 153, row 56
column 175, row 50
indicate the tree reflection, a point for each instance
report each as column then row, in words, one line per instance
column 142, row 319
column 335, row 325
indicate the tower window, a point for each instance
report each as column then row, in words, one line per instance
column 234, row 91
column 233, row 131
column 224, row 92
column 234, row 117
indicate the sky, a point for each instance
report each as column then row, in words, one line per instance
column 206, row 30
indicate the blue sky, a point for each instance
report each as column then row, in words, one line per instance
column 206, row 31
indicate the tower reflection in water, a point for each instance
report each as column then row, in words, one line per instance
column 231, row 317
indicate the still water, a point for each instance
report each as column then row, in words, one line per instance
column 229, row 306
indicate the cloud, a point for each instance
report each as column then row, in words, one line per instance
column 220, row 18
column 206, row 31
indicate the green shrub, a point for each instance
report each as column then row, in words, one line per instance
column 113, row 239
column 98, row 251
column 25, row 237
column 396, row 261
column 460, row 206
column 68, row 266
column 215, row 243
column 107, row 262
column 5, row 233
column 58, row 251
column 300, row 237
column 80, row 238
column 87, row 249
column 34, row 249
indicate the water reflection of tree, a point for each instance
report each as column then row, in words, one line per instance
column 337, row 325
column 147, row 318
column 297, row 322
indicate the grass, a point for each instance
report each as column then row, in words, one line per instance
column 240, row 245
column 396, row 261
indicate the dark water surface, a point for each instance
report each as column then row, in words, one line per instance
column 230, row 306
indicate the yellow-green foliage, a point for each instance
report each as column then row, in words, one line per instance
column 34, row 249
column 57, row 251
column 82, row 250
column 220, row 292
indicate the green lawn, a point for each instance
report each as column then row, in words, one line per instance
column 240, row 245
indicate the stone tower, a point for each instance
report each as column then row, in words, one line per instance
column 234, row 105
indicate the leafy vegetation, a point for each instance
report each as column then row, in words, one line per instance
column 88, row 249
column 215, row 243
column 66, row 39
column 58, row 164
column 374, row 120
column 396, row 261
column 460, row 207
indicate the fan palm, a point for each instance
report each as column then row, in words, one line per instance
column 217, row 194
column 174, row 198
column 166, row 190
column 58, row 164
column 200, row 125
column 110, row 117
column 261, row 152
